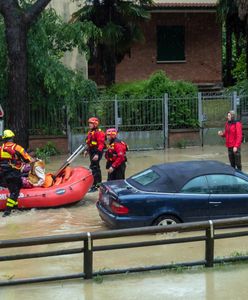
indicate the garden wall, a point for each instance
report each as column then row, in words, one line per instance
column 60, row 142
column 152, row 139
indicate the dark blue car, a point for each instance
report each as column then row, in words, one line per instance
column 175, row 192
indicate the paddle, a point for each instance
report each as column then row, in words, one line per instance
column 79, row 150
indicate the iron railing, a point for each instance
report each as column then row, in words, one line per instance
column 88, row 248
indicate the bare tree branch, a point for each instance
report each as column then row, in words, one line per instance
column 33, row 12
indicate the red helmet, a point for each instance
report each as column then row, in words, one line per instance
column 94, row 121
column 112, row 132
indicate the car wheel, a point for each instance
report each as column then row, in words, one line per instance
column 166, row 220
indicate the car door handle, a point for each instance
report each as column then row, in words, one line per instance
column 215, row 202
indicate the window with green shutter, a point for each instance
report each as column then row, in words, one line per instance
column 170, row 43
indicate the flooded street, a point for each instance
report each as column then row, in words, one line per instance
column 222, row 282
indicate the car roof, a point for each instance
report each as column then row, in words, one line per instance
column 174, row 175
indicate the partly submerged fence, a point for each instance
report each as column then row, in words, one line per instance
column 143, row 123
column 89, row 248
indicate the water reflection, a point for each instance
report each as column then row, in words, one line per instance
column 207, row 284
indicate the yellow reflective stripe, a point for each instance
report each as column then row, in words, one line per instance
column 5, row 155
column 94, row 143
column 9, row 200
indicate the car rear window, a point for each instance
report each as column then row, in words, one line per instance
column 146, row 177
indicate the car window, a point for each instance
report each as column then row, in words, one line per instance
column 197, row 185
column 227, row 184
column 146, row 177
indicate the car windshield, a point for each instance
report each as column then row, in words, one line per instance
column 146, row 177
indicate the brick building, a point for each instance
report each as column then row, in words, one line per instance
column 183, row 38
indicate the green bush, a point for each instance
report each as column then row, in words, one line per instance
column 159, row 84
column 47, row 151
column 182, row 101
column 130, row 90
column 241, row 87
column 155, row 87
column 239, row 72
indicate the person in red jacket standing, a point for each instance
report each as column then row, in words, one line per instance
column 233, row 136
column 95, row 141
column 115, row 155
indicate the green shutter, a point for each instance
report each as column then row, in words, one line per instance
column 170, row 43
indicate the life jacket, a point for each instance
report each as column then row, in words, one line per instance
column 96, row 139
column 64, row 176
column 48, row 180
column 12, row 155
column 116, row 152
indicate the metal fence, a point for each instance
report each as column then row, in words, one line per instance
column 124, row 114
column 214, row 110
column 44, row 118
column 88, row 248
column 143, row 123
column 48, row 119
column 215, row 107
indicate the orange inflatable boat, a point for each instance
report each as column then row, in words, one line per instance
column 69, row 187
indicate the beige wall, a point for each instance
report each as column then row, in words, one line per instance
column 73, row 60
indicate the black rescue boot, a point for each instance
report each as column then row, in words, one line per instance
column 7, row 212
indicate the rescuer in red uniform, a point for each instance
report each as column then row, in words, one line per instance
column 12, row 157
column 95, row 141
column 115, row 155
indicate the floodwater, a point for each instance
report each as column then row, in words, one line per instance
column 221, row 282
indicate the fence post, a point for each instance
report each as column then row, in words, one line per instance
column 116, row 113
column 88, row 257
column 235, row 98
column 68, row 131
column 165, row 121
column 200, row 117
column 209, row 245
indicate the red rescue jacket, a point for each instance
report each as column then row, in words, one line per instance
column 233, row 134
column 96, row 140
column 116, row 153
column 13, row 155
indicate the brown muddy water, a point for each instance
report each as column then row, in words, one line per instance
column 221, row 282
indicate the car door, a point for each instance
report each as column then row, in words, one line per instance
column 228, row 196
column 194, row 200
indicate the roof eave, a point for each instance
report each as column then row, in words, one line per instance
column 182, row 8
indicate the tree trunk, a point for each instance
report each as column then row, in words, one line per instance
column 228, row 76
column 18, row 106
column 109, row 65
column 246, row 52
column 17, row 23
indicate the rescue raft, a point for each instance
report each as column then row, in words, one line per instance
column 69, row 187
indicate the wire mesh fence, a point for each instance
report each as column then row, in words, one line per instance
column 153, row 117
column 215, row 107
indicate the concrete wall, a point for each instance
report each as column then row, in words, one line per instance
column 73, row 59
column 202, row 50
column 148, row 140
